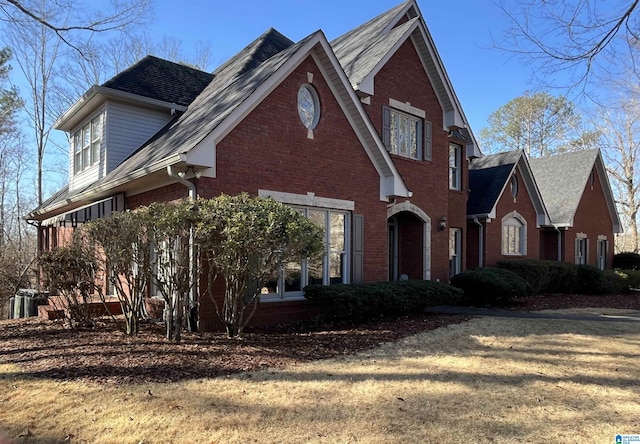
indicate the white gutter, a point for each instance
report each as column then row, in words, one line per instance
column 480, row 242
column 555, row 227
column 193, row 297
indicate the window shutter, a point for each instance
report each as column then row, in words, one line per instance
column 419, row 140
column 386, row 127
column 586, row 252
column 426, row 148
column 358, row 248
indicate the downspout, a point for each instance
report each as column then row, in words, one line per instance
column 480, row 242
column 559, row 242
column 193, row 297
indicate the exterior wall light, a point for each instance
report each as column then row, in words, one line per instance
column 442, row 224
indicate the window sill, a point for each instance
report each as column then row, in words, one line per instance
column 409, row 159
column 298, row 296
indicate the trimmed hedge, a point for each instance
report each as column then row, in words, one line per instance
column 626, row 261
column 491, row 286
column 544, row 276
column 360, row 302
column 552, row 277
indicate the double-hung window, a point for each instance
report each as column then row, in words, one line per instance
column 602, row 251
column 582, row 248
column 455, row 163
column 331, row 268
column 455, row 251
column 86, row 145
column 514, row 235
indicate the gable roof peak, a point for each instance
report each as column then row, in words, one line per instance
column 268, row 44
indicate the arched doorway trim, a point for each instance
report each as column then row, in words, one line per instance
column 426, row 247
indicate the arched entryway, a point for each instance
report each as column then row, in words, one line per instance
column 409, row 230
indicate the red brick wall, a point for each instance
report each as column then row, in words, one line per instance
column 592, row 218
column 270, row 150
column 523, row 205
column 404, row 79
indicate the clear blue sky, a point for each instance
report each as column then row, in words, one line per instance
column 483, row 77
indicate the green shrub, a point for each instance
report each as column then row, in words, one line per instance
column 535, row 272
column 544, row 276
column 360, row 302
column 622, row 281
column 491, row 286
column 626, row 261
column 591, row 280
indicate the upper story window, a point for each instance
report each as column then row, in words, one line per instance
column 86, row 145
column 405, row 134
column 455, row 170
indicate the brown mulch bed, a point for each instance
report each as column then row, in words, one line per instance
column 104, row 355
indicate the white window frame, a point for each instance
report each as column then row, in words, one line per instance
column 280, row 292
column 455, row 251
column 86, row 144
column 455, row 167
column 410, row 142
column 581, row 249
column 602, row 251
column 514, row 226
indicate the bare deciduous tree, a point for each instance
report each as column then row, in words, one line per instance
column 571, row 36
column 620, row 127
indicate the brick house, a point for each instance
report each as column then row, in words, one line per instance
column 364, row 135
column 578, row 196
column 559, row 207
column 505, row 210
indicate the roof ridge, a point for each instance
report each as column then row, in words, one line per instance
column 391, row 13
column 250, row 50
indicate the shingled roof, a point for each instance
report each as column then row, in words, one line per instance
column 362, row 48
column 264, row 47
column 561, row 180
column 160, row 79
column 488, row 176
column 217, row 101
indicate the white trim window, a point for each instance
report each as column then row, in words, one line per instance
column 403, row 133
column 455, row 170
column 582, row 249
column 331, row 268
column 602, row 251
column 86, row 145
column 514, row 235
column 455, row 251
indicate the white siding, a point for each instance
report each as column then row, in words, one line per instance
column 125, row 128
column 94, row 172
column 128, row 127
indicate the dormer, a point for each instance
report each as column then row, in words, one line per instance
column 113, row 120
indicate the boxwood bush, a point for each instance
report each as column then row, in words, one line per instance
column 360, row 302
column 544, row 276
column 626, row 261
column 491, row 286
column 623, row 281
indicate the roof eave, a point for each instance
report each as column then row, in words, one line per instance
column 96, row 94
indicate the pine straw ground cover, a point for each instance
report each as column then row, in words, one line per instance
column 486, row 380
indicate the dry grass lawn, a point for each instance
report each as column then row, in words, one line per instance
column 489, row 380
